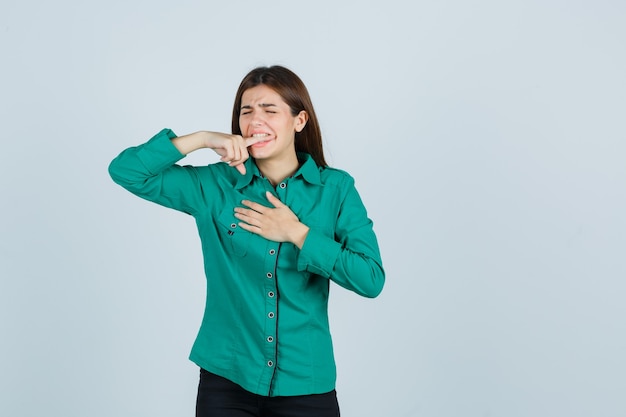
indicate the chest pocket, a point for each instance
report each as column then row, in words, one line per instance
column 236, row 240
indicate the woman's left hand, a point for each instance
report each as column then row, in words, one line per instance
column 277, row 223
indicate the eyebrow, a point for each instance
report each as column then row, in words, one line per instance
column 263, row 105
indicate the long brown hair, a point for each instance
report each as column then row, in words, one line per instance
column 293, row 91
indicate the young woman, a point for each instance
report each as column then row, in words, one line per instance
column 276, row 226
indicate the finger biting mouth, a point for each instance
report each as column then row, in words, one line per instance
column 262, row 138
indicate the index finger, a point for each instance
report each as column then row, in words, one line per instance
column 252, row 140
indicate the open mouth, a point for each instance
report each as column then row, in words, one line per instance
column 261, row 136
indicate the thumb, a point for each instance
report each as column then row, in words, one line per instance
column 241, row 168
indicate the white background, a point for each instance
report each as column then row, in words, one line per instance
column 487, row 139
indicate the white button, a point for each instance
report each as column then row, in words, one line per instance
column 272, row 251
column 270, row 339
column 270, row 294
column 282, row 185
column 270, row 363
column 269, row 275
column 270, row 314
column 233, row 225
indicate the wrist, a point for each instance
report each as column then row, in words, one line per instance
column 299, row 235
column 192, row 142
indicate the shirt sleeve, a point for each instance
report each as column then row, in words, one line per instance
column 150, row 172
column 352, row 259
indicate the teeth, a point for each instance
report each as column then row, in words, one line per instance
column 259, row 135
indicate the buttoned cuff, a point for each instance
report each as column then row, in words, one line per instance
column 318, row 254
column 159, row 152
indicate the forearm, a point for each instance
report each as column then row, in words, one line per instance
column 135, row 165
column 150, row 171
column 359, row 271
column 350, row 256
column 192, row 142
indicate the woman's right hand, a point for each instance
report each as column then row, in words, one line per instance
column 233, row 149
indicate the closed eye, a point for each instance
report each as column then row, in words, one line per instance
column 247, row 109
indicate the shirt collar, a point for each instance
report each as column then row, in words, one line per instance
column 308, row 170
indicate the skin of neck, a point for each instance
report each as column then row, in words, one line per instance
column 277, row 170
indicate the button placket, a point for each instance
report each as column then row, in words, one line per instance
column 271, row 304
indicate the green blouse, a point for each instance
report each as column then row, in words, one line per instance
column 265, row 324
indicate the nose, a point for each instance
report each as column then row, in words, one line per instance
column 257, row 118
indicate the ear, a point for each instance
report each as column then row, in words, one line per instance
column 301, row 120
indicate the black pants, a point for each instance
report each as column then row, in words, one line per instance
column 219, row 397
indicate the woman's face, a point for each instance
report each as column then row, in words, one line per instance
column 265, row 114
